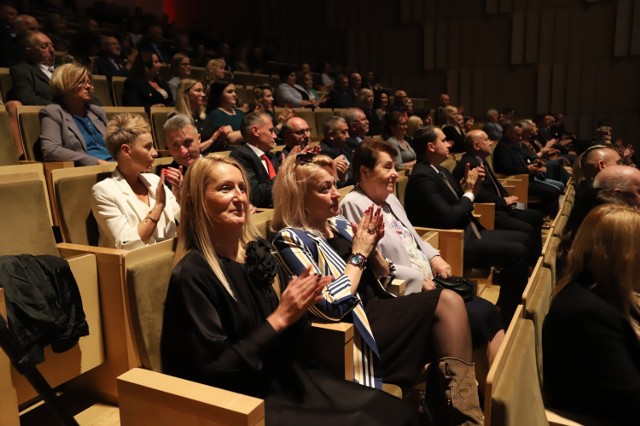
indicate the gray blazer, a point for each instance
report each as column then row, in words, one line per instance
column 391, row 246
column 60, row 137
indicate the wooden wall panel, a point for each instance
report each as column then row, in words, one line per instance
column 518, row 31
column 586, row 124
column 441, row 44
column 506, row 6
column 588, row 87
column 543, row 94
column 478, row 94
column 547, row 35
column 429, row 45
column 406, row 11
column 635, row 34
column 492, row 6
column 625, row 85
column 493, row 88
column 624, row 18
column 471, row 43
column 532, row 37
column 603, row 102
column 453, row 84
column 574, row 74
column 574, row 34
column 562, row 35
column 558, row 87
column 466, row 88
column 454, row 49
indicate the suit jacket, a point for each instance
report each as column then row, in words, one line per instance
column 508, row 160
column 60, row 137
column 493, row 130
column 29, row 85
column 391, row 245
column 335, row 152
column 455, row 136
column 118, row 212
column 298, row 250
column 138, row 92
column 106, row 67
column 430, row 202
column 488, row 193
column 591, row 357
column 261, row 185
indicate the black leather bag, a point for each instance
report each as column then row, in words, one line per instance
column 460, row 285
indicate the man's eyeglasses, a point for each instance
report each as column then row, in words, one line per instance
column 305, row 157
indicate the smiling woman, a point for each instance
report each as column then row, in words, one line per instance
column 134, row 208
column 72, row 129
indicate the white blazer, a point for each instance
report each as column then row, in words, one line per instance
column 118, row 212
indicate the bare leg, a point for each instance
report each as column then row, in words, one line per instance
column 12, row 111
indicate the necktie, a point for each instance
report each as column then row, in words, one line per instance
column 472, row 220
column 270, row 169
column 490, row 174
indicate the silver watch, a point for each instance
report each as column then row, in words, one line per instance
column 357, row 259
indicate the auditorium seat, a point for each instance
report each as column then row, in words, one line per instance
column 158, row 118
column 27, row 230
column 322, row 114
column 8, row 155
column 115, row 110
column 29, row 126
column 117, row 89
column 5, row 82
column 101, row 90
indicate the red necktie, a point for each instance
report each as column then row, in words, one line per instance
column 270, row 169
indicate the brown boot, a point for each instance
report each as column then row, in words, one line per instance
column 458, row 381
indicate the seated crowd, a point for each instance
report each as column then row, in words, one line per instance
column 224, row 324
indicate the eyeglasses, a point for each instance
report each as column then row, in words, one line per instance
column 84, row 83
column 301, row 132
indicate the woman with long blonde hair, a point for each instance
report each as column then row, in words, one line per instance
column 224, row 325
column 591, row 335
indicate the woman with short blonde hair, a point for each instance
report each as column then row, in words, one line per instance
column 72, row 128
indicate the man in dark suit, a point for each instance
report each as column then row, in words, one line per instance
column 340, row 97
column 30, row 80
column 334, row 145
column 256, row 158
column 435, row 199
column 358, row 126
column 478, row 147
column 110, row 61
column 154, row 42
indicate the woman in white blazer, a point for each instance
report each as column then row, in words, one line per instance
column 134, row 208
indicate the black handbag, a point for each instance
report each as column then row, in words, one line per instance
column 466, row 289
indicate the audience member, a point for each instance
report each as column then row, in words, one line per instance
column 395, row 132
column 225, row 326
column 12, row 39
column 134, row 208
column 509, row 159
column 306, row 86
column 413, row 124
column 183, row 142
column 334, row 145
column 295, row 132
column 327, row 79
column 591, row 335
column 416, row 262
column 400, row 98
column 358, row 124
column 213, row 71
column 55, row 26
column 381, row 104
column 454, row 129
column 355, row 84
column 110, row 62
column 190, row 102
column 622, row 179
column 180, row 68
column 153, row 42
column 493, row 128
column 451, row 206
column 222, row 112
column 262, row 100
column 441, row 115
column 394, row 337
column 71, row 128
column 287, row 94
column 84, row 49
column 256, row 158
column 144, row 87
column 340, row 97
column 469, row 123
column 508, row 215
column 364, row 101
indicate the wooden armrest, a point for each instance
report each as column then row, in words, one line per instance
column 147, row 397
column 451, row 246
column 397, row 287
column 487, row 212
column 331, row 345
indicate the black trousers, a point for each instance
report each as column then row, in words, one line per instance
column 528, row 221
column 505, row 249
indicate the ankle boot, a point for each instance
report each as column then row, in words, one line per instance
column 457, row 380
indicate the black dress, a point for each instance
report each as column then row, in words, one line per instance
column 213, row 338
column 400, row 325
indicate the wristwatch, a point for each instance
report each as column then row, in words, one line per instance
column 357, row 259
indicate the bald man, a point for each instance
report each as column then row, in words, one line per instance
column 622, row 179
column 478, row 148
column 295, row 132
column 597, row 158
